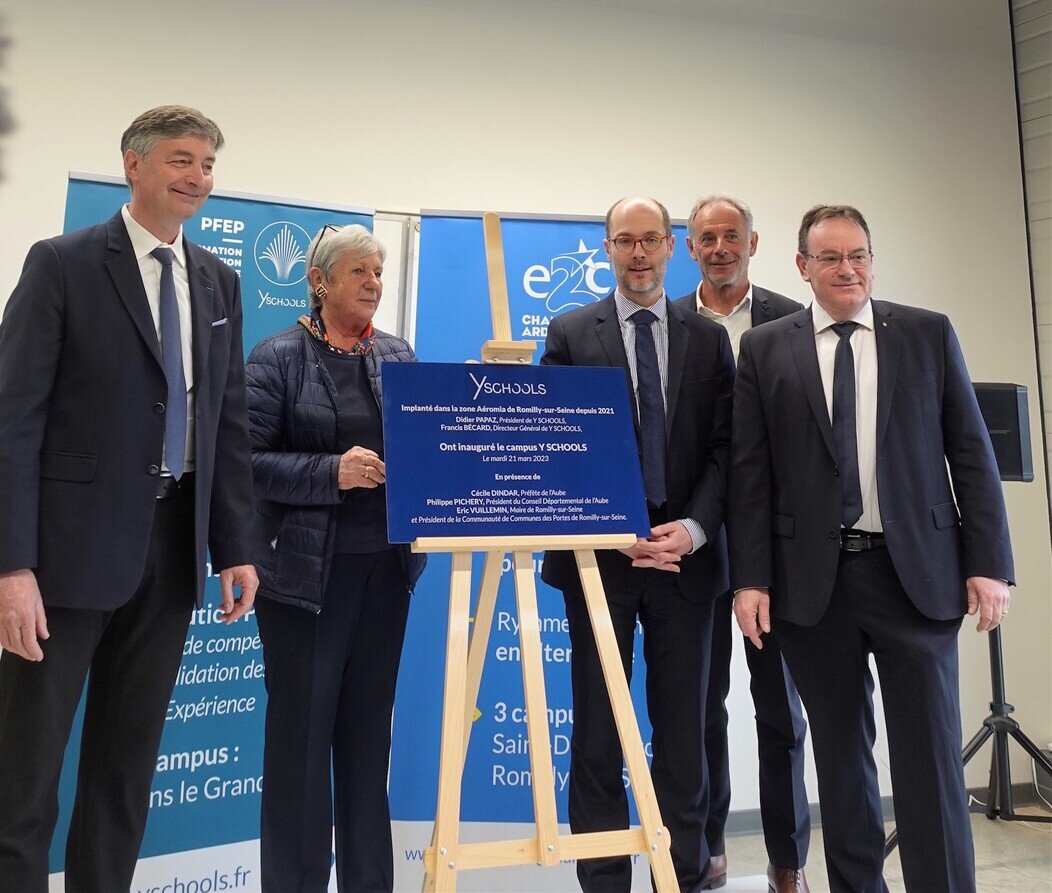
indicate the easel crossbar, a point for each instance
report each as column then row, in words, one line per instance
column 524, row 851
column 502, row 544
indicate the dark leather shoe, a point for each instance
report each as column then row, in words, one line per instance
column 786, row 880
column 716, row 874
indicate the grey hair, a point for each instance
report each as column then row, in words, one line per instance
column 168, row 122
column 332, row 244
column 720, row 199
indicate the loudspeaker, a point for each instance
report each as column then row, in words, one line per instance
column 1004, row 410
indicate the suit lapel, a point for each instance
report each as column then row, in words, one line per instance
column 802, row 339
column 608, row 331
column 202, row 306
column 127, row 280
column 677, row 359
column 761, row 310
column 888, row 333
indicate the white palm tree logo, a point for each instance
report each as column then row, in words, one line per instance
column 284, row 253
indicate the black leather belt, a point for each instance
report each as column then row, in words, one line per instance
column 860, row 540
column 167, row 486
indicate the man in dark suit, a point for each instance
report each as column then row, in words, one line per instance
column 679, row 371
column 123, row 453
column 847, row 538
column 722, row 240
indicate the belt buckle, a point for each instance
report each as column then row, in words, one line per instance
column 855, row 542
column 167, row 487
column 864, row 541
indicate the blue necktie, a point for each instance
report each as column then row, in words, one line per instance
column 651, row 408
column 845, row 432
column 172, row 360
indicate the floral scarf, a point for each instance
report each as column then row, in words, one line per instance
column 312, row 322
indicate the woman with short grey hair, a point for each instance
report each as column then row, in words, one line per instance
column 334, row 593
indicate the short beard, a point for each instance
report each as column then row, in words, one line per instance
column 657, row 271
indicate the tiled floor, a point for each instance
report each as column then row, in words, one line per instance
column 1010, row 857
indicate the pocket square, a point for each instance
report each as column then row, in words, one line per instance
column 219, row 322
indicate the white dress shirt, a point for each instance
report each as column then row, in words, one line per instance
column 143, row 242
column 737, row 322
column 864, row 348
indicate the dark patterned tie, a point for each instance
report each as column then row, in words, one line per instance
column 845, row 432
column 172, row 360
column 651, row 408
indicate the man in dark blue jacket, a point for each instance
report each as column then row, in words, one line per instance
column 848, row 539
column 123, row 454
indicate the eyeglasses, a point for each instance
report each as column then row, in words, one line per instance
column 321, row 235
column 860, row 260
column 650, row 244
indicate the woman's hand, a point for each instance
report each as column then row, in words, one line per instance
column 360, row 467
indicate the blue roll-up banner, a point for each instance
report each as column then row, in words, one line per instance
column 552, row 265
column 203, row 829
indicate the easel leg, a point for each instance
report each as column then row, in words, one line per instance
column 536, row 711
column 480, row 638
column 451, row 757
column 657, row 836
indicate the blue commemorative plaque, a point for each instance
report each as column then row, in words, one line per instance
column 494, row 450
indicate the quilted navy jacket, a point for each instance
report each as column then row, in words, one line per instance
column 293, row 421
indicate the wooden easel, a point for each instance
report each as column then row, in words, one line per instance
column 465, row 657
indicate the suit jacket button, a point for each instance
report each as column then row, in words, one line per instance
column 834, row 534
column 836, row 471
column 153, row 469
column 158, row 408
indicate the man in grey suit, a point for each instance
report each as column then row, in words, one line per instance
column 722, row 239
column 847, row 537
column 124, row 453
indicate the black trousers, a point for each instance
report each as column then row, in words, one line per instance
column 133, row 654
column 676, row 634
column 916, row 660
column 331, row 685
column 780, row 733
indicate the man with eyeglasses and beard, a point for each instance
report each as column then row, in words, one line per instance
column 847, row 539
column 679, row 370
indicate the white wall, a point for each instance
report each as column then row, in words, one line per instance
column 1033, row 47
column 904, row 109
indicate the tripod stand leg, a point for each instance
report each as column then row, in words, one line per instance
column 1031, row 748
column 978, row 740
column 1004, row 775
column 1035, row 753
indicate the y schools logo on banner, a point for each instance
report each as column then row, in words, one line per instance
column 552, row 266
